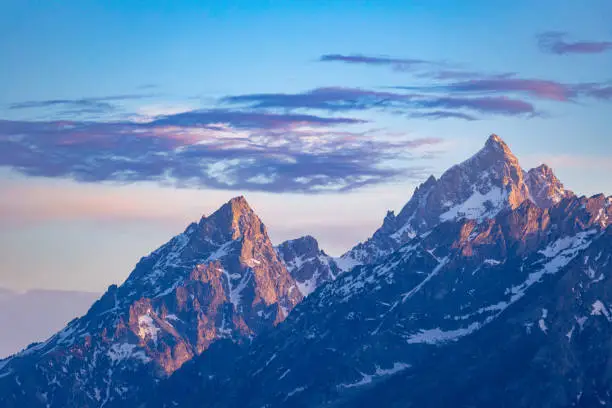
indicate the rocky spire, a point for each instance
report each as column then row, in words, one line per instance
column 545, row 188
column 235, row 219
column 308, row 264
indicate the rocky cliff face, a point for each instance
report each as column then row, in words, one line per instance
column 220, row 279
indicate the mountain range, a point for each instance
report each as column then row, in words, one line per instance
column 491, row 287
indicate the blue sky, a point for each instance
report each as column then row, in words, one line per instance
column 121, row 121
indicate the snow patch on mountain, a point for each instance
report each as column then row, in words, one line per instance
column 378, row 372
column 346, row 262
column 438, row 336
column 147, row 328
column 599, row 309
column 235, row 291
column 542, row 321
column 478, row 206
column 124, row 351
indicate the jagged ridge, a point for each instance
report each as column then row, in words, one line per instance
column 478, row 188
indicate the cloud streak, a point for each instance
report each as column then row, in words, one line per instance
column 348, row 99
column 218, row 149
column 442, row 114
column 554, row 42
column 400, row 64
column 98, row 103
column 328, row 99
column 453, row 82
column 536, row 88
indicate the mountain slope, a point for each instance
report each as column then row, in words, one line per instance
column 552, row 351
column 219, row 279
column 527, row 288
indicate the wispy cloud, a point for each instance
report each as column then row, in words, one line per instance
column 103, row 103
column 442, row 114
column 251, row 119
column 147, row 86
column 554, row 42
column 400, row 64
column 500, row 105
column 98, row 105
column 347, row 99
column 602, row 91
column 544, row 89
column 537, row 88
column 329, row 99
column 451, row 81
column 456, row 74
column 219, row 149
column 86, row 108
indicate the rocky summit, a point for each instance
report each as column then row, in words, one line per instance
column 309, row 265
column 491, row 287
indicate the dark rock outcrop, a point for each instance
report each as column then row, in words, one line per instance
column 310, row 266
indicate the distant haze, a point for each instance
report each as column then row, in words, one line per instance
column 37, row 314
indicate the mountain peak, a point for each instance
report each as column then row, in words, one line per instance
column 493, row 168
column 495, row 139
column 235, row 218
column 542, row 168
column 307, row 263
column 238, row 200
column 239, row 204
column 478, row 188
column 306, row 245
column 495, row 146
column 545, row 188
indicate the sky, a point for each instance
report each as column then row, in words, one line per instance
column 123, row 121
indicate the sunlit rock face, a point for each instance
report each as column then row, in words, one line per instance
column 545, row 188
